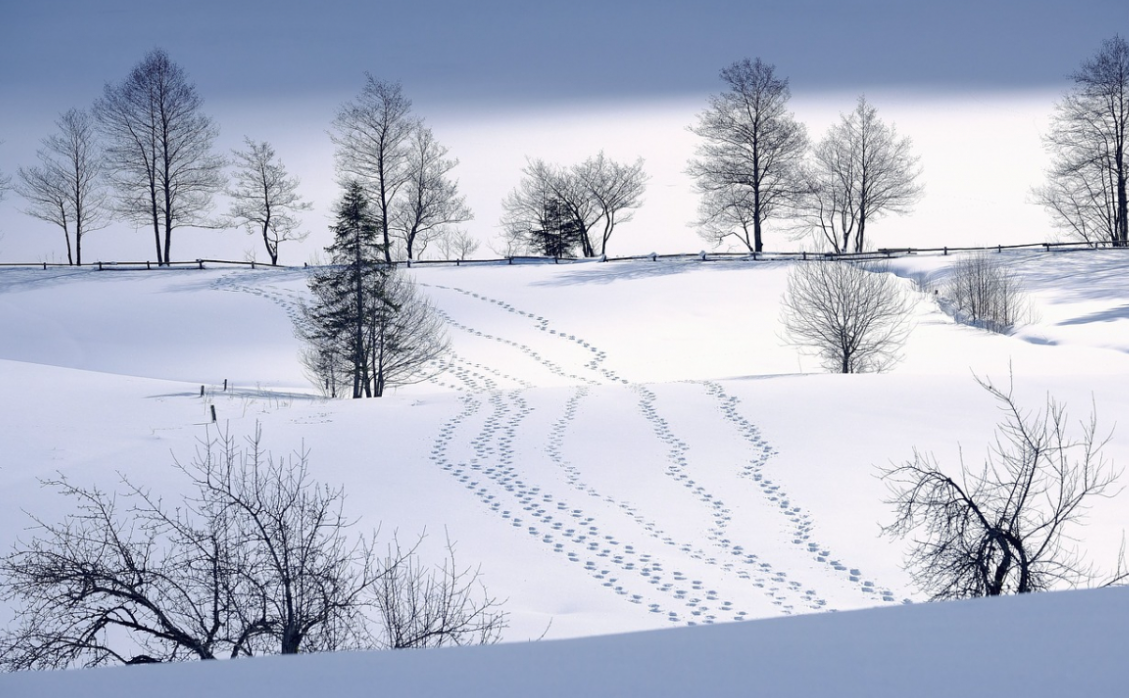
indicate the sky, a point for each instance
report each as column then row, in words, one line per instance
column 491, row 75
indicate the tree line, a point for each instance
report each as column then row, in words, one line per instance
column 144, row 153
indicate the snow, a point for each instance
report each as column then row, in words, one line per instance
column 624, row 447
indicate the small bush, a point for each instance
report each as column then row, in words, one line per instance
column 985, row 293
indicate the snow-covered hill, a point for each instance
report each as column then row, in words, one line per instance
column 621, row 446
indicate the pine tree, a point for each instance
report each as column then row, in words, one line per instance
column 346, row 295
column 559, row 234
column 368, row 327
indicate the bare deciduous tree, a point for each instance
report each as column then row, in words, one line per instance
column 855, row 320
column 986, row 293
column 67, row 187
column 373, row 136
column 860, row 171
column 1003, row 528
column 265, row 197
column 430, row 205
column 1086, row 183
column 457, row 244
column 586, row 201
column 5, row 182
column 159, row 149
column 257, row 560
column 435, row 607
column 748, row 169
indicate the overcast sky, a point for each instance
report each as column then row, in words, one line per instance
column 499, row 51
column 279, row 69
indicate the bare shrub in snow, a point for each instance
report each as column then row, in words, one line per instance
column 856, row 320
column 1003, row 528
column 257, row 559
column 421, row 606
column 987, row 293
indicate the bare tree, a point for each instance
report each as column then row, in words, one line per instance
column 615, row 189
column 265, row 197
column 435, row 607
column 430, row 205
column 752, row 152
column 575, row 206
column 257, row 560
column 67, row 187
column 301, row 581
column 373, row 136
column 855, row 320
column 860, row 171
column 1003, row 528
column 159, row 149
column 728, row 212
column 457, row 244
column 5, row 182
column 986, row 293
column 1086, row 183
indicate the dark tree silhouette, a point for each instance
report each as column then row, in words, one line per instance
column 265, row 197
column 748, row 168
column 1086, row 183
column 159, row 149
column 67, row 188
column 257, row 559
column 1003, row 528
column 860, row 171
column 367, row 326
column 559, row 207
column 854, row 319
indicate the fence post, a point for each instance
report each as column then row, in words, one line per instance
column 804, row 256
column 999, row 249
column 200, row 263
column 946, row 250
column 99, row 266
column 213, row 412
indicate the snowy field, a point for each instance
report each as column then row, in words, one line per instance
column 622, row 447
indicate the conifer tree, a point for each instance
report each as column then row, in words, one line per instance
column 368, row 327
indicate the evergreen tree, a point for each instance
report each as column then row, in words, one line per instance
column 559, row 233
column 368, row 327
column 346, row 295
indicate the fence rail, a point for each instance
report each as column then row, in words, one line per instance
column 879, row 254
column 147, row 265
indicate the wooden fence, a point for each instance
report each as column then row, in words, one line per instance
column 879, row 254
